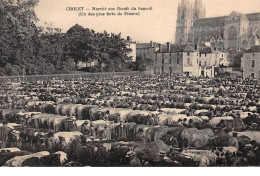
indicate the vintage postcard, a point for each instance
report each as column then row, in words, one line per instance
column 120, row 83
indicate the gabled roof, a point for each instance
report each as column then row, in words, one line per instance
column 253, row 16
column 254, row 49
column 189, row 48
column 242, row 15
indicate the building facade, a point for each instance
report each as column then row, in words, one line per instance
column 185, row 60
column 131, row 45
column 250, row 63
column 48, row 28
column 233, row 32
column 176, row 59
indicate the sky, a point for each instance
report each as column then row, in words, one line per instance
column 157, row 25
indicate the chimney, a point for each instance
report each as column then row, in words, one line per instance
column 151, row 43
column 160, row 47
column 168, row 47
column 128, row 38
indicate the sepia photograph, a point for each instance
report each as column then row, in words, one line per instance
column 120, row 83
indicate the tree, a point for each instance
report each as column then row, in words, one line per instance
column 81, row 44
column 17, row 32
column 86, row 45
column 142, row 63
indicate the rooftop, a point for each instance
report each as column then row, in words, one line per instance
column 253, row 16
column 175, row 48
column 217, row 21
column 254, row 49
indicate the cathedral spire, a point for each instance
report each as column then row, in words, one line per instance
column 184, row 3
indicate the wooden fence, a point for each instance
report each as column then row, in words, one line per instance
column 34, row 78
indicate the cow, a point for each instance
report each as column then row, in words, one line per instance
column 193, row 137
column 33, row 160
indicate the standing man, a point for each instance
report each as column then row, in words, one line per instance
column 4, row 133
column 133, row 160
column 121, row 131
column 106, row 133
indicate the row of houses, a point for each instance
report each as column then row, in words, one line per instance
column 185, row 59
column 174, row 59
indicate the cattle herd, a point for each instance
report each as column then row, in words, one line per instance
column 130, row 121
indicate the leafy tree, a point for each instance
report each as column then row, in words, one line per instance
column 81, row 44
column 17, row 33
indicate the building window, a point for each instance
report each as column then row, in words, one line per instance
column 188, row 61
column 205, row 63
column 178, row 61
column 253, row 55
column 170, row 61
column 205, row 54
column 162, row 54
column 162, row 70
column 222, row 55
column 197, row 61
column 170, row 68
column 162, row 60
column 188, row 53
column 200, row 63
column 215, row 62
column 252, row 75
column 253, row 63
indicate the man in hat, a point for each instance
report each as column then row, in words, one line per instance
column 133, row 160
column 4, row 134
column 92, row 131
column 250, row 155
column 164, row 161
column 106, row 133
column 85, row 128
column 106, row 116
column 254, row 126
column 233, row 141
column 121, row 131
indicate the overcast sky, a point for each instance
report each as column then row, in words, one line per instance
column 156, row 25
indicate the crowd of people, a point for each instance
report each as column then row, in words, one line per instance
column 131, row 121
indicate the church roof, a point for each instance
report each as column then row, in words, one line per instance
column 242, row 15
column 216, row 21
column 253, row 16
column 254, row 49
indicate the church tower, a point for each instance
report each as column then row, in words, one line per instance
column 184, row 22
column 199, row 10
column 187, row 14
